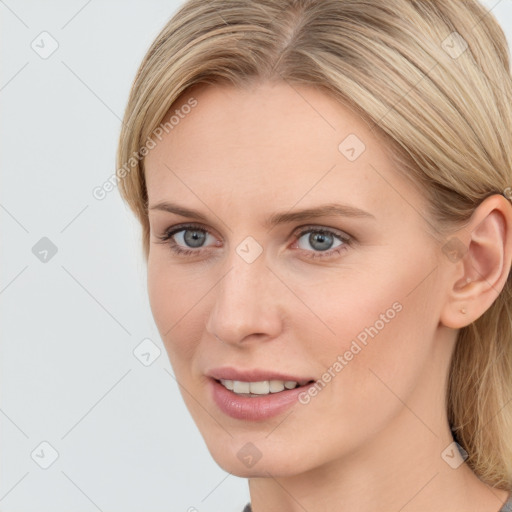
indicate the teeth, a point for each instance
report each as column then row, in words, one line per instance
column 228, row 384
column 258, row 388
column 276, row 386
column 241, row 387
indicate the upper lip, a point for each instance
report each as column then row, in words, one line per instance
column 254, row 375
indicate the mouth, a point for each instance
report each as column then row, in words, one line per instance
column 262, row 387
column 255, row 395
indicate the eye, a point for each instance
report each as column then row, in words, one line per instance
column 187, row 239
column 313, row 241
column 321, row 242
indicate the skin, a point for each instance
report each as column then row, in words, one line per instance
column 372, row 438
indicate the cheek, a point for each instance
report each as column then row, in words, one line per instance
column 175, row 301
column 357, row 305
column 385, row 327
column 375, row 361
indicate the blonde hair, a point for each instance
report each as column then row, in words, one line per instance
column 432, row 77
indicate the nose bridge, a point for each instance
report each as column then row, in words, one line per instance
column 244, row 303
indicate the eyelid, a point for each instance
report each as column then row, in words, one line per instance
column 302, row 230
column 183, row 227
column 297, row 232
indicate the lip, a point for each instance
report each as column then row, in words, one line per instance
column 258, row 408
column 254, row 375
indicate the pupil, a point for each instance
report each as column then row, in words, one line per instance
column 194, row 238
column 320, row 241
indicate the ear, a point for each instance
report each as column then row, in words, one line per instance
column 480, row 256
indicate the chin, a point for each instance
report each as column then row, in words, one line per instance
column 245, row 457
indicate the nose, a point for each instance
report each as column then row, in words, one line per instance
column 247, row 303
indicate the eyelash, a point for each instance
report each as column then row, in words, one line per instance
column 166, row 238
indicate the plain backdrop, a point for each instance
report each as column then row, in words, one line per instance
column 91, row 418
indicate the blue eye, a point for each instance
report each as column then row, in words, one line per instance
column 184, row 239
column 323, row 242
column 313, row 242
column 193, row 238
column 320, row 240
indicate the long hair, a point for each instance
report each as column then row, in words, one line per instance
column 431, row 77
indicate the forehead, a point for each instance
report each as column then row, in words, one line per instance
column 270, row 142
column 274, row 116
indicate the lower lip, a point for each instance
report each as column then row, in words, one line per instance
column 254, row 408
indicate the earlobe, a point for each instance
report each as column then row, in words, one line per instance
column 456, row 312
column 481, row 273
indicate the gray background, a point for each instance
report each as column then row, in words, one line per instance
column 71, row 323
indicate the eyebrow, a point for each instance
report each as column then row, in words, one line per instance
column 326, row 210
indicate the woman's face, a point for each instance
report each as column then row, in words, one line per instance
column 269, row 291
